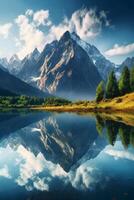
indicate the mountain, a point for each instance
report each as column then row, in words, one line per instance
column 103, row 65
column 34, row 55
column 63, row 68
column 4, row 92
column 4, row 64
column 28, row 66
column 12, row 84
column 14, row 64
column 129, row 62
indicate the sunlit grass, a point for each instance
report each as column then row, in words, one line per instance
column 124, row 103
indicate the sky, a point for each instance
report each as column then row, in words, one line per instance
column 27, row 24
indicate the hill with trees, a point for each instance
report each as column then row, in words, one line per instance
column 115, row 88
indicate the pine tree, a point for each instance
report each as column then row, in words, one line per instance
column 124, row 82
column 132, row 79
column 100, row 92
column 112, row 86
column 112, row 131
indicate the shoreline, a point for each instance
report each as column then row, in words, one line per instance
column 123, row 104
column 82, row 109
column 119, row 104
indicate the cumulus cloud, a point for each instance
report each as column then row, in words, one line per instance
column 86, row 23
column 85, row 177
column 39, row 184
column 29, row 36
column 41, row 17
column 32, row 165
column 120, row 50
column 5, row 29
column 35, row 172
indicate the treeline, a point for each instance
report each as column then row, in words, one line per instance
column 113, row 87
column 114, row 130
column 25, row 101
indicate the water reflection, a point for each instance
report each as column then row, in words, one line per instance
column 66, row 154
column 114, row 129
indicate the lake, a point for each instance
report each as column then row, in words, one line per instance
column 65, row 156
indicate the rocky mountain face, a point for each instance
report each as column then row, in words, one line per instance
column 11, row 84
column 29, row 67
column 14, row 64
column 69, row 67
column 4, row 64
column 63, row 69
column 103, row 65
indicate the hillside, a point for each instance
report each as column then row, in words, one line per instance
column 124, row 103
column 17, row 86
column 4, row 92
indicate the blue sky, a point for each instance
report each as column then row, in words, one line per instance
column 109, row 25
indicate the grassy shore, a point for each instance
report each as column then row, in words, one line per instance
column 119, row 104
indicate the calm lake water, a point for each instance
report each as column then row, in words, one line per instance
column 65, row 156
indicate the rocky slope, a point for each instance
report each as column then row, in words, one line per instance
column 103, row 65
column 63, row 69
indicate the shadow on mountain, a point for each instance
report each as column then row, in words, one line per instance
column 13, row 121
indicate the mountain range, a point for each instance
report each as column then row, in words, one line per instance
column 11, row 85
column 70, row 67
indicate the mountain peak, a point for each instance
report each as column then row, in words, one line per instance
column 34, row 55
column 65, row 36
column 14, row 58
column 35, row 51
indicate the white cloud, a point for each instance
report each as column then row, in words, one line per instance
column 120, row 50
column 34, row 171
column 40, row 185
column 32, row 165
column 30, row 36
column 5, row 29
column 120, row 154
column 5, row 172
column 86, row 23
column 41, row 17
column 85, row 177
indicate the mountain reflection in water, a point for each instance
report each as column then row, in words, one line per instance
column 65, row 156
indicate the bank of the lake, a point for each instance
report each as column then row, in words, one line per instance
column 122, row 104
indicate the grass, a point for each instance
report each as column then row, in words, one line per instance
column 122, row 104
